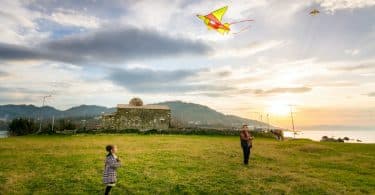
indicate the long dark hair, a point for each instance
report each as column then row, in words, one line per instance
column 109, row 148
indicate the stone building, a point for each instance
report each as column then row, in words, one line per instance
column 135, row 115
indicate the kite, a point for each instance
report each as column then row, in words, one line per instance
column 314, row 12
column 213, row 21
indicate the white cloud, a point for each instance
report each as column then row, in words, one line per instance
column 73, row 18
column 17, row 23
column 155, row 14
column 352, row 52
column 333, row 5
column 251, row 49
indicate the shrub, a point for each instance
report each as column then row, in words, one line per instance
column 205, row 132
column 64, row 124
column 22, row 126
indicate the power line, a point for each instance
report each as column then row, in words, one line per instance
column 268, row 122
column 40, row 112
column 291, row 115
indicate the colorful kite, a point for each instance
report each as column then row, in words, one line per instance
column 314, row 12
column 213, row 21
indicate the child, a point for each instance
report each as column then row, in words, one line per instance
column 111, row 164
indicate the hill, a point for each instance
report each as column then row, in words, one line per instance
column 200, row 115
column 186, row 113
column 9, row 112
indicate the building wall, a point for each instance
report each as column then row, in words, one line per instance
column 137, row 118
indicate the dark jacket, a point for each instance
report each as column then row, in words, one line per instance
column 245, row 136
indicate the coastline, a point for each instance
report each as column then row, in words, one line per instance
column 365, row 136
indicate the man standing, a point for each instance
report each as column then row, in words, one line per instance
column 246, row 143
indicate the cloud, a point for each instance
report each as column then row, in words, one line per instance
column 366, row 66
column 73, row 18
column 19, row 94
column 250, row 49
column 282, row 90
column 110, row 45
column 188, row 82
column 333, row 5
column 17, row 52
column 15, row 99
column 3, row 74
column 101, row 9
column 352, row 52
column 22, row 90
column 237, row 91
column 211, row 94
column 336, row 84
column 161, row 81
column 224, row 73
column 148, row 76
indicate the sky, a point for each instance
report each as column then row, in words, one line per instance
column 106, row 52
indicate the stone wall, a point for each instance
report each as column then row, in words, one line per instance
column 137, row 118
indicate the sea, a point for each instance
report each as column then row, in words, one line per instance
column 355, row 136
column 3, row 134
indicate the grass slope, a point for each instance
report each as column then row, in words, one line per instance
column 184, row 164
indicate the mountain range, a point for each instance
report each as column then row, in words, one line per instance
column 186, row 113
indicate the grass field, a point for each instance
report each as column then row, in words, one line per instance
column 184, row 164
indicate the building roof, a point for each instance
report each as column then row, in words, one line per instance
column 156, row 107
column 136, row 102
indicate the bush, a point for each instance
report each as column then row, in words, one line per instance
column 205, row 132
column 331, row 139
column 4, row 125
column 47, row 129
column 64, row 124
column 22, row 126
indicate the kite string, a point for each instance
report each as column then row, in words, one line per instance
column 241, row 21
column 243, row 29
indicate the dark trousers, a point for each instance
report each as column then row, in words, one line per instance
column 246, row 151
column 107, row 190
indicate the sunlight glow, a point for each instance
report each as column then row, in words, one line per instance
column 279, row 109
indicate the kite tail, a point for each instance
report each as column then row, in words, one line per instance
column 243, row 29
column 241, row 21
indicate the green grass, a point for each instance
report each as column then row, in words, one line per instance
column 177, row 164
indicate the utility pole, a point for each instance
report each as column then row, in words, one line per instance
column 291, row 115
column 40, row 113
column 53, row 122
column 268, row 122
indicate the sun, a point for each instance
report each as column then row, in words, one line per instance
column 279, row 109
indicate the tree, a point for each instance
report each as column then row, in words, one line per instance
column 22, row 126
column 65, row 124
